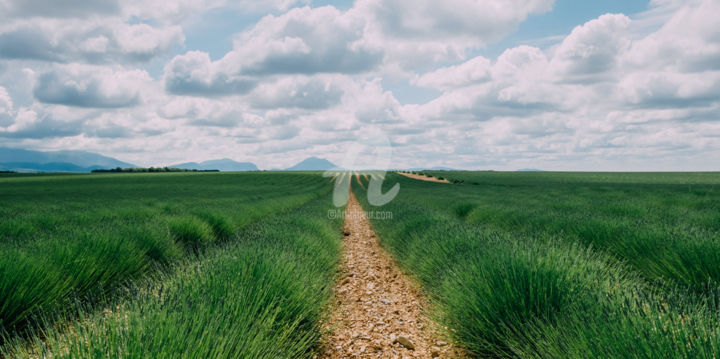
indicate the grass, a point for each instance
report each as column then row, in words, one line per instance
column 191, row 231
column 70, row 238
column 516, row 265
column 509, row 280
column 665, row 225
column 259, row 295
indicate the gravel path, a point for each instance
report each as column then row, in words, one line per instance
column 423, row 178
column 378, row 311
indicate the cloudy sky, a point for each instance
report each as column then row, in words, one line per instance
column 474, row 84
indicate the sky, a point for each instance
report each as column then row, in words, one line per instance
column 469, row 84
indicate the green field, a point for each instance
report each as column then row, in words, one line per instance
column 168, row 254
column 230, row 265
column 565, row 264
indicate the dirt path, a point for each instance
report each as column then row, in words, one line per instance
column 423, row 178
column 379, row 309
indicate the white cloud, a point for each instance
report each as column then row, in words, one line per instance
column 670, row 89
column 420, row 34
column 195, row 74
column 519, row 82
column 181, row 10
column 326, row 40
column 168, row 11
column 6, row 108
column 689, row 41
column 476, row 22
column 593, row 48
column 597, row 95
column 142, row 41
column 305, row 81
column 311, row 93
column 306, row 41
column 372, row 104
column 199, row 111
column 94, row 41
column 87, row 86
column 37, row 123
column 58, row 9
column 474, row 71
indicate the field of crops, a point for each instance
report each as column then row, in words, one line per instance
column 173, row 265
column 230, row 265
column 565, row 264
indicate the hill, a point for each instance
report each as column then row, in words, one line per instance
column 313, row 164
column 14, row 159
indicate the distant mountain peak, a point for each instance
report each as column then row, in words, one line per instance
column 21, row 160
column 313, row 164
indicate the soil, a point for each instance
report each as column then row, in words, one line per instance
column 423, row 178
column 378, row 311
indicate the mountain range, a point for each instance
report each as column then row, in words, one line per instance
column 20, row 160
